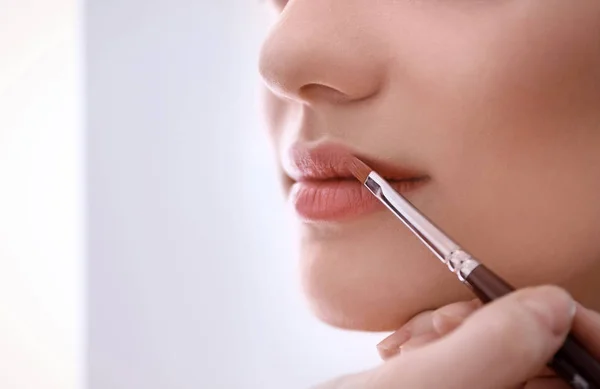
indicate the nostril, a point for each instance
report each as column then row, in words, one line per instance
column 312, row 59
column 323, row 93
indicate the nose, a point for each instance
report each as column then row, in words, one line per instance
column 323, row 51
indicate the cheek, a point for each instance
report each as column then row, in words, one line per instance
column 507, row 108
column 485, row 60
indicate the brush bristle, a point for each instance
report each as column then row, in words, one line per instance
column 359, row 169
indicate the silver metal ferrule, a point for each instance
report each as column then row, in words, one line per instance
column 449, row 252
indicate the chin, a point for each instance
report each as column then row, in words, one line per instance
column 375, row 280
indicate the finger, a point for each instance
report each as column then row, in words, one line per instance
column 586, row 326
column 390, row 346
column 447, row 318
column 547, row 383
column 418, row 342
column 501, row 345
column 418, row 325
column 433, row 324
column 546, row 372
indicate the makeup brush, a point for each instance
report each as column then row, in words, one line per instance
column 572, row 362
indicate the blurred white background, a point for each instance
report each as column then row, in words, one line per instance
column 193, row 279
column 41, row 195
column 189, row 249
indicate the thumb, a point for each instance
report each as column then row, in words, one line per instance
column 502, row 345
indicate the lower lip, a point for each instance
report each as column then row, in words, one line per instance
column 340, row 199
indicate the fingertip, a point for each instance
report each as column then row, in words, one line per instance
column 390, row 346
column 552, row 306
column 387, row 353
column 586, row 326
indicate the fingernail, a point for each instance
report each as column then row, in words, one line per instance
column 420, row 324
column 390, row 346
column 553, row 306
column 573, row 311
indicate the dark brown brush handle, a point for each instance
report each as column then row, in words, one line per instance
column 572, row 362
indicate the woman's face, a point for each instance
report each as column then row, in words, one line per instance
column 495, row 102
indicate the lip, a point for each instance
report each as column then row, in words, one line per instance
column 323, row 188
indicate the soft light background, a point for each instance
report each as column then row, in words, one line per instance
column 174, row 212
column 41, row 195
column 193, row 278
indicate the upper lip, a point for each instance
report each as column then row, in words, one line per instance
column 331, row 162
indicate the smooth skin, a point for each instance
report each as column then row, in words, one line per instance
column 505, row 344
column 498, row 103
